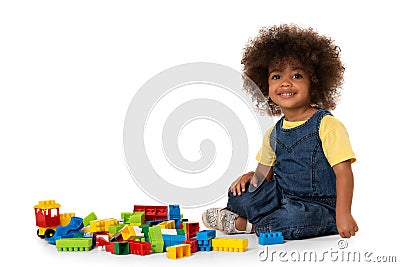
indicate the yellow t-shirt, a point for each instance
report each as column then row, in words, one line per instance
column 335, row 142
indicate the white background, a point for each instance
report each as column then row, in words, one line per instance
column 69, row 69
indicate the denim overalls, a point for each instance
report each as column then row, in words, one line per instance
column 300, row 199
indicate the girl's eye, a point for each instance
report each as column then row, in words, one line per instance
column 275, row 77
column 297, row 76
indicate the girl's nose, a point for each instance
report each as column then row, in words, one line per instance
column 285, row 82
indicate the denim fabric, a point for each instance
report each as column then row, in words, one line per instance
column 301, row 166
column 300, row 199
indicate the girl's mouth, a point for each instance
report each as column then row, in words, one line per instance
column 286, row 95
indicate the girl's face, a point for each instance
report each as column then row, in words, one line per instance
column 289, row 86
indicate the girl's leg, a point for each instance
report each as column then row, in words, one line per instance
column 253, row 206
column 299, row 219
column 244, row 210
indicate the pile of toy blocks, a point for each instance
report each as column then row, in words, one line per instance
column 146, row 230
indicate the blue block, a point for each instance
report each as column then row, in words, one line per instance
column 74, row 227
column 177, row 239
column 204, row 243
column 271, row 238
column 174, row 212
column 172, row 240
column 205, row 248
column 206, row 235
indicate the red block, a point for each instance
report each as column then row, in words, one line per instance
column 191, row 229
column 152, row 213
column 47, row 218
column 139, row 248
column 100, row 242
column 194, row 245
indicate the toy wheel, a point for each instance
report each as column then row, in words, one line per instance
column 49, row 233
column 41, row 236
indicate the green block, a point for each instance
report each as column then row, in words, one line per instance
column 137, row 217
column 89, row 218
column 145, row 230
column 156, row 240
column 113, row 229
column 184, row 227
column 121, row 248
column 79, row 235
column 180, row 231
column 74, row 244
column 125, row 216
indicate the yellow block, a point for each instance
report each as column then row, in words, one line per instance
column 47, row 204
column 167, row 224
column 96, row 226
column 65, row 218
column 229, row 244
column 178, row 251
column 131, row 233
column 102, row 225
column 109, row 222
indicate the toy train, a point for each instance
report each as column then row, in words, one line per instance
column 48, row 218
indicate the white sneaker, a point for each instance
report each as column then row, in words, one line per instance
column 210, row 218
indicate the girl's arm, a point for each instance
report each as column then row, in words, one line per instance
column 345, row 222
column 261, row 173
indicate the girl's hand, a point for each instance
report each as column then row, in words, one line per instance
column 239, row 185
column 346, row 225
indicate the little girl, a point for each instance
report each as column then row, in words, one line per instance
column 303, row 184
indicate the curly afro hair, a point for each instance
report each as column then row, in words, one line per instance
column 318, row 55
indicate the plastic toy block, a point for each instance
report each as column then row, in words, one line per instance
column 206, row 235
column 191, row 229
column 80, row 235
column 194, row 245
column 47, row 213
column 167, row 224
column 47, row 232
column 68, row 231
column 47, row 204
column 156, row 240
column 182, row 221
column 109, row 247
column 165, row 231
column 204, row 239
column 131, row 233
column 97, row 226
column 90, row 217
column 74, row 244
column 174, row 212
column 205, row 248
column 118, row 236
column 204, row 245
column 121, row 248
column 172, row 240
column 229, row 244
column 153, row 213
column 178, row 251
column 110, row 222
column 101, row 240
column 137, row 218
column 180, row 232
column 113, row 229
column 271, row 238
column 125, row 216
column 145, row 231
column 102, row 225
column 65, row 218
column 139, row 248
column 152, row 223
